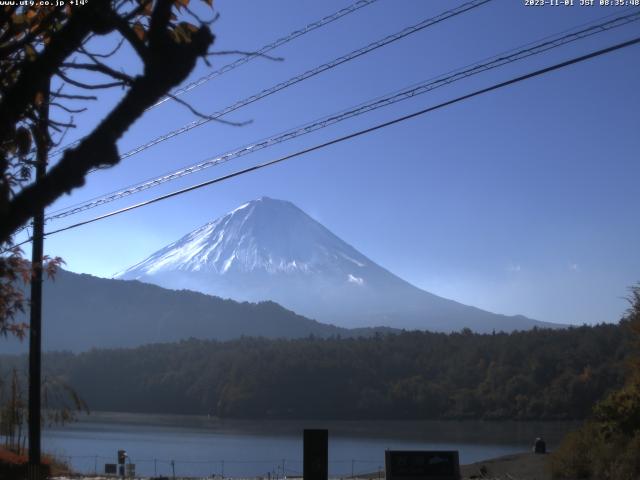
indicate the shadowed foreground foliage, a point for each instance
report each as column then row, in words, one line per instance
column 539, row 374
column 607, row 447
column 52, row 65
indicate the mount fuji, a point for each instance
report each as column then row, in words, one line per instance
column 269, row 249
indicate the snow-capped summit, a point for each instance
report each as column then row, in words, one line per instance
column 269, row 249
column 264, row 235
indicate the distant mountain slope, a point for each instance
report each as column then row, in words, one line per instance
column 271, row 250
column 83, row 312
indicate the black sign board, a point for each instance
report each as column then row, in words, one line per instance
column 110, row 468
column 422, row 465
column 316, row 455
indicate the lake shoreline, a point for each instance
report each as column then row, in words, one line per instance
column 523, row 466
column 199, row 447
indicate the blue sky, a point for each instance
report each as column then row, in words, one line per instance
column 521, row 201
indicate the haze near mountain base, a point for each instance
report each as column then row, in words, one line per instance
column 269, row 249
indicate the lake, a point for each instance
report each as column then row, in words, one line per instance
column 200, row 446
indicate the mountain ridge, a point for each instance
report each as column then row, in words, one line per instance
column 123, row 314
column 269, row 249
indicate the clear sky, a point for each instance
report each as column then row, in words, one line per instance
column 524, row 200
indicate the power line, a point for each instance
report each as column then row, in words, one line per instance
column 306, row 75
column 424, row 87
column 267, row 48
column 261, row 52
column 359, row 133
column 309, row 74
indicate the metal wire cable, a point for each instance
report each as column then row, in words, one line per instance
column 262, row 51
column 308, row 74
column 210, row 462
column 353, row 135
column 427, row 86
column 267, row 48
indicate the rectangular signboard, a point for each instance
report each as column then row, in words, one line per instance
column 422, row 465
column 315, row 454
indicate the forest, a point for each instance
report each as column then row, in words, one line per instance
column 536, row 374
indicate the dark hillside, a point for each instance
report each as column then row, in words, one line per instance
column 83, row 312
column 538, row 374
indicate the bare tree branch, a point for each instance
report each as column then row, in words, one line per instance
column 89, row 86
column 104, row 55
column 168, row 63
column 199, row 19
column 74, row 97
column 19, row 96
column 205, row 116
column 62, row 137
column 127, row 32
column 101, row 68
column 67, row 109
column 54, row 123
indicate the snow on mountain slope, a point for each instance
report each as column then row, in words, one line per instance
column 269, row 249
column 263, row 235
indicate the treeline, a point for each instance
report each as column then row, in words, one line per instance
column 538, row 374
column 606, row 446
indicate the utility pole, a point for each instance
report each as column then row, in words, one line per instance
column 35, row 320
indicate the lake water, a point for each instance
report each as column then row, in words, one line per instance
column 199, row 446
